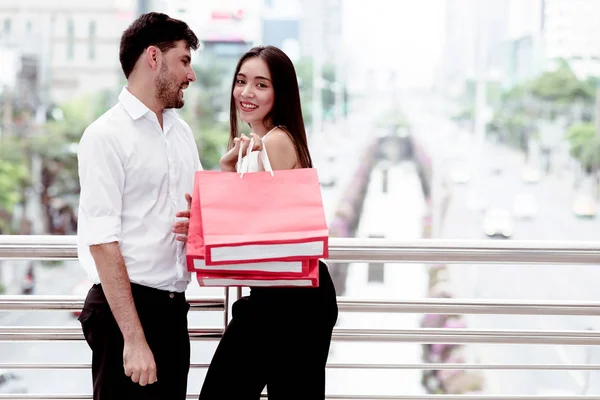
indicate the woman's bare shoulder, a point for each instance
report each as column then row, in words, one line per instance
column 281, row 148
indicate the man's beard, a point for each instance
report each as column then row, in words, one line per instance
column 167, row 90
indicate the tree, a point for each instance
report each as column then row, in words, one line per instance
column 57, row 148
column 207, row 112
column 585, row 145
column 13, row 178
column 304, row 71
column 560, row 86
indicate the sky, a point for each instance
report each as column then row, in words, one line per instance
column 404, row 35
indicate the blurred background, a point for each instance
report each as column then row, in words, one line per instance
column 446, row 119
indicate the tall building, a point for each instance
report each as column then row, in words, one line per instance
column 73, row 44
column 473, row 29
column 226, row 28
column 281, row 25
column 571, row 31
column 518, row 56
column 321, row 28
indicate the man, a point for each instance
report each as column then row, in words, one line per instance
column 136, row 166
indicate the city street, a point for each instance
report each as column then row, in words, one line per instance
column 554, row 221
column 394, row 215
column 493, row 179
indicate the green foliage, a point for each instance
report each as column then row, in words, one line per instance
column 560, row 85
column 304, row 72
column 208, row 114
column 585, row 145
column 212, row 144
column 466, row 114
column 12, row 178
column 394, row 118
column 57, row 146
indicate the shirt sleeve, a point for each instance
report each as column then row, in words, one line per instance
column 102, row 181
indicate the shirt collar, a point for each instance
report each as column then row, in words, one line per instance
column 136, row 109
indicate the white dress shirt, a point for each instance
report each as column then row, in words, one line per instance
column 133, row 177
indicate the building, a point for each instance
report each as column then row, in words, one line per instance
column 74, row 44
column 571, row 32
column 281, row 25
column 540, row 32
column 473, row 29
column 321, row 28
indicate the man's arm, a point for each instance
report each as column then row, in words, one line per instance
column 137, row 357
column 102, row 182
column 117, row 288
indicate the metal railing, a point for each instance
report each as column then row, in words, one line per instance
column 358, row 250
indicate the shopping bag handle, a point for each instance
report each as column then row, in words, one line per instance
column 244, row 164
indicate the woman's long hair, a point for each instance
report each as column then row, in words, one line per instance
column 286, row 111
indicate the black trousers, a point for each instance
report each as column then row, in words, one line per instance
column 278, row 337
column 164, row 319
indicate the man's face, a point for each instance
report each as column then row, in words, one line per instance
column 174, row 76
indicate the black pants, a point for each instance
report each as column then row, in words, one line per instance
column 164, row 319
column 278, row 337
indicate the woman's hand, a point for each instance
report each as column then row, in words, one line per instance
column 229, row 160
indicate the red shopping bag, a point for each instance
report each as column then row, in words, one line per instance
column 195, row 242
column 195, row 252
column 262, row 216
column 310, row 279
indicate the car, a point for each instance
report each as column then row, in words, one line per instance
column 496, row 170
column 476, row 201
column 460, row 174
column 9, row 383
column 497, row 222
column 584, row 206
column 81, row 290
column 327, row 176
column 530, row 174
column 524, row 206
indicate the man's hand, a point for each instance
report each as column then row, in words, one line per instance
column 138, row 362
column 181, row 228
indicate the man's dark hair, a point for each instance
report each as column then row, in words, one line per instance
column 152, row 29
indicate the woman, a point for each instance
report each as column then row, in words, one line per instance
column 278, row 337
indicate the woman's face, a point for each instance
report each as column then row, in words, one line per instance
column 253, row 91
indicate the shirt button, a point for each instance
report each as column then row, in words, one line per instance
column 171, row 295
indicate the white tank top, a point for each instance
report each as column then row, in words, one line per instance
column 252, row 158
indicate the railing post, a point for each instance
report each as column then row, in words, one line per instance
column 229, row 300
column 226, row 308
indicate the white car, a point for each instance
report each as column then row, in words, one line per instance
column 530, row 174
column 460, row 174
column 326, row 176
column 584, row 206
column 498, row 222
column 524, row 206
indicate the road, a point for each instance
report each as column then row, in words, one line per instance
column 554, row 221
column 395, row 214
